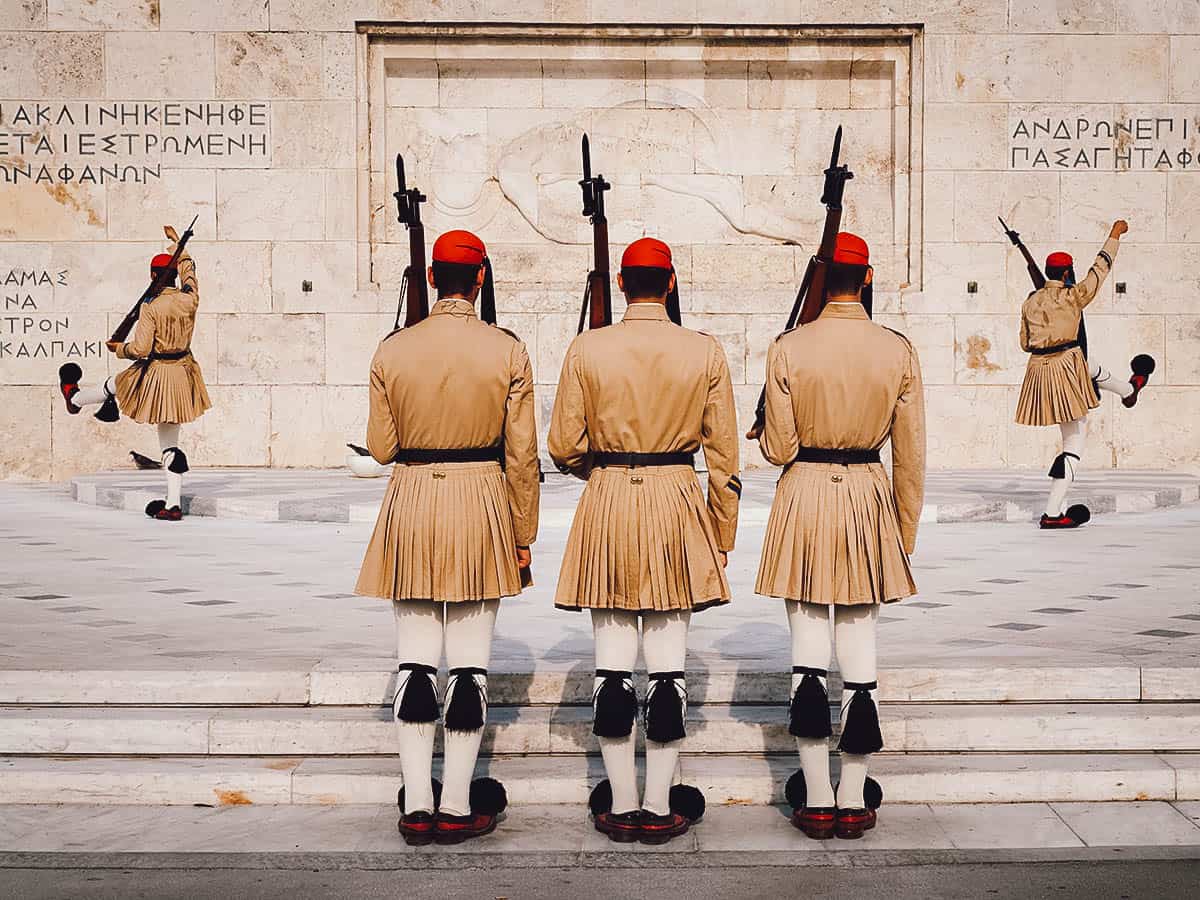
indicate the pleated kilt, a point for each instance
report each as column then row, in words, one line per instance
column 833, row 538
column 444, row 533
column 642, row 540
column 1057, row 388
column 163, row 391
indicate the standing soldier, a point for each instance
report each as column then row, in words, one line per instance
column 452, row 407
column 635, row 402
column 840, row 534
column 164, row 386
column 1061, row 384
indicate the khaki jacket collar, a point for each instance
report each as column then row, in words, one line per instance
column 843, row 311
column 453, row 307
column 651, row 312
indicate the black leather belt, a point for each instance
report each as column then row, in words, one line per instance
column 837, row 457
column 1057, row 348
column 452, row 455
column 638, row 460
column 172, row 356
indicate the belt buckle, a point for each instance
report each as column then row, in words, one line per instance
column 437, row 474
column 836, row 479
column 635, row 479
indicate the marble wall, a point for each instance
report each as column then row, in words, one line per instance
column 277, row 123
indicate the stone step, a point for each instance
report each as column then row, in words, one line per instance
column 334, row 731
column 750, row 779
column 371, row 683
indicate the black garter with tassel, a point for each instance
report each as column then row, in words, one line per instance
column 614, row 704
column 466, row 704
column 664, row 708
column 419, row 703
column 860, row 725
column 810, row 705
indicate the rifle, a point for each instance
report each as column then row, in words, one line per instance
column 1039, row 279
column 810, row 299
column 413, row 286
column 157, row 283
column 597, row 294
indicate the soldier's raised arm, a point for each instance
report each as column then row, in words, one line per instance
column 1085, row 291
column 520, row 448
column 908, row 452
column 568, row 440
column 778, row 441
column 383, row 439
column 719, row 438
column 186, row 267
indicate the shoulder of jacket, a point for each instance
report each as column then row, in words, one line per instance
column 787, row 331
column 512, row 334
column 903, row 337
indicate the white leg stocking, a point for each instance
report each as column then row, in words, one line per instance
column 809, row 625
column 168, row 436
column 664, row 645
column 854, row 636
column 616, row 636
column 1107, row 381
column 419, row 641
column 469, row 629
column 1074, row 437
column 96, row 394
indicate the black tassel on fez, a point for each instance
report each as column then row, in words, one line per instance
column 466, row 703
column 810, row 706
column 614, row 704
column 664, row 709
column 860, row 725
column 418, row 703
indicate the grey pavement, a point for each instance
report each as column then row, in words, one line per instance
column 333, row 495
column 83, row 587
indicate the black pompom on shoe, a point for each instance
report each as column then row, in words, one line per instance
column 487, row 797
column 1074, row 517
column 154, row 507
column 601, row 798
column 1143, row 367
column 68, row 382
column 796, row 790
column 687, row 801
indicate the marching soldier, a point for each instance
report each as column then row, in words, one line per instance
column 1061, row 384
column 840, row 533
column 635, row 402
column 452, row 408
column 164, row 386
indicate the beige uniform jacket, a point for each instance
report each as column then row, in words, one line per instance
column 1057, row 387
column 164, row 390
column 448, row 531
column 842, row 534
column 647, row 385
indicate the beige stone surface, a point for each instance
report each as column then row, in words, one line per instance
column 235, row 276
column 992, row 68
column 28, row 416
column 103, row 15
column 1028, row 202
column 949, row 270
column 277, row 205
column 1160, row 431
column 325, row 15
column 269, row 65
column 25, row 14
column 965, row 136
column 51, row 65
column 176, row 64
column 260, row 349
column 350, row 342
column 339, row 62
column 328, row 266
column 53, row 212
column 1064, row 16
column 310, row 426
column 1143, row 61
column 933, row 338
column 1091, row 202
column 227, row 15
column 101, row 277
column 138, row 212
column 1185, row 68
column 967, row 424
column 313, row 134
column 986, row 350
column 1182, row 362
column 1158, row 16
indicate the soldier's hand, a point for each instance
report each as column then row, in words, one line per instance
column 524, row 557
column 1119, row 228
column 724, row 559
column 113, row 346
column 171, row 233
column 754, row 433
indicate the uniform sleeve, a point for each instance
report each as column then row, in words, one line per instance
column 568, row 439
column 143, row 336
column 187, row 277
column 719, row 437
column 520, row 448
column 383, row 440
column 779, row 441
column 1085, row 292
column 908, row 452
column 1025, row 333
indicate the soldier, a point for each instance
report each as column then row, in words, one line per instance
column 840, row 534
column 164, row 386
column 1061, row 384
column 635, row 402
column 452, row 408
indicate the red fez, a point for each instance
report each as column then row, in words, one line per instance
column 851, row 250
column 161, row 261
column 1059, row 260
column 650, row 253
column 460, row 247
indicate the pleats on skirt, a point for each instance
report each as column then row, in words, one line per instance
column 833, row 538
column 642, row 540
column 444, row 533
column 1057, row 388
column 163, row 390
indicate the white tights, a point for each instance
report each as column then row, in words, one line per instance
column 423, row 629
column 664, row 645
column 168, row 434
column 1074, row 437
column 854, row 634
